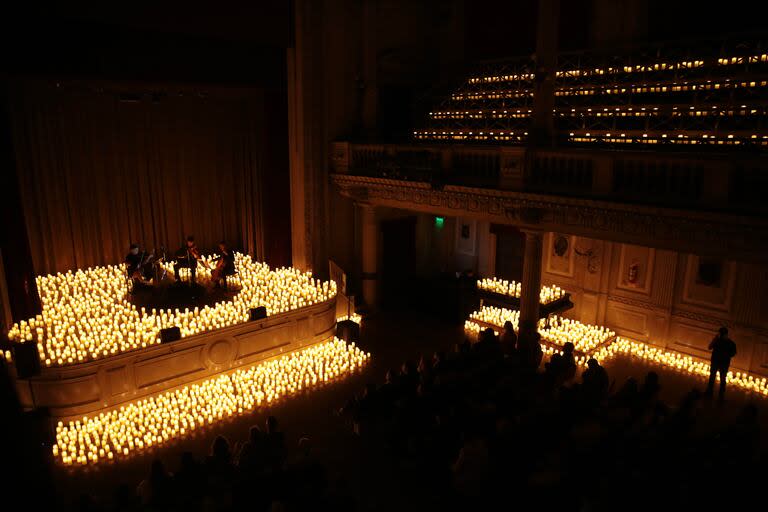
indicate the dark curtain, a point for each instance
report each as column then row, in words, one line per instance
column 104, row 165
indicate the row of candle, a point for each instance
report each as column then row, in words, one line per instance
column 670, row 359
column 86, row 314
column 154, row 421
column 602, row 344
column 559, row 331
column 637, row 68
column 354, row 317
column 547, row 294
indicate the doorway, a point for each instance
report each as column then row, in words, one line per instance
column 510, row 252
column 398, row 263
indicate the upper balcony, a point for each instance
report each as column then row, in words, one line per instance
column 734, row 183
column 679, row 126
column 702, row 96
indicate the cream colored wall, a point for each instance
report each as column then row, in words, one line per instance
column 664, row 306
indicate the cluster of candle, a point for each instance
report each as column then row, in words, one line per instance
column 354, row 317
column 547, row 294
column 602, row 344
column 202, row 271
column 585, row 338
column 154, row 421
column 87, row 315
column 680, row 362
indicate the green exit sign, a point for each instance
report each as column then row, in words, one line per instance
column 439, row 221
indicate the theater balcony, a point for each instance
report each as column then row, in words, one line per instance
column 662, row 146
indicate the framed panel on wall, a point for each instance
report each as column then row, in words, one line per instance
column 466, row 236
column 560, row 256
column 636, row 268
column 709, row 282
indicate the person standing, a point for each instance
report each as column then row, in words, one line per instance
column 723, row 349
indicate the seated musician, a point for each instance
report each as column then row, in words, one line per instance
column 136, row 264
column 225, row 264
column 187, row 257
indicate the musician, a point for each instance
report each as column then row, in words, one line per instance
column 137, row 264
column 225, row 264
column 187, row 257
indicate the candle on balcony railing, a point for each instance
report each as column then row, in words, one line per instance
column 154, row 421
column 87, row 315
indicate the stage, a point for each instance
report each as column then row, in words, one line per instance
column 91, row 387
column 99, row 338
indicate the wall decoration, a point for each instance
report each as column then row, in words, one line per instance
column 709, row 272
column 593, row 259
column 636, row 268
column 709, row 282
column 560, row 254
column 466, row 234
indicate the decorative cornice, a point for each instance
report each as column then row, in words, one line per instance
column 721, row 234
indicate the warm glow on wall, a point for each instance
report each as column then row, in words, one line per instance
column 155, row 421
column 87, row 315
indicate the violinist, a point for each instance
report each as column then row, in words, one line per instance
column 187, row 257
column 225, row 264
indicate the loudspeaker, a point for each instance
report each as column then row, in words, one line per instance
column 348, row 331
column 257, row 313
column 170, row 334
column 27, row 359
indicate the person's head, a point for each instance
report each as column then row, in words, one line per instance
column 652, row 378
column 157, row 470
column 508, row 326
column 220, row 448
column 223, row 246
column 592, row 364
column 134, row 249
column 271, row 425
column 723, row 331
column 568, row 348
column 190, row 241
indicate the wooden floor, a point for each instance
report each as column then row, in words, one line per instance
column 170, row 295
column 391, row 338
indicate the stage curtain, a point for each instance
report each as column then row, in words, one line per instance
column 104, row 165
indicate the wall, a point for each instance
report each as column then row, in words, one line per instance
column 662, row 297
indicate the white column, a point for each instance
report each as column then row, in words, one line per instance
column 531, row 284
column 370, row 253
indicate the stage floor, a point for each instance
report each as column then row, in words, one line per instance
column 169, row 294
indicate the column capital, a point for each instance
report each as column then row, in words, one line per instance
column 533, row 233
column 365, row 205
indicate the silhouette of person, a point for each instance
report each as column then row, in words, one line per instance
column 509, row 338
column 723, row 349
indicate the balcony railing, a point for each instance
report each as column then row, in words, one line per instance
column 681, row 180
